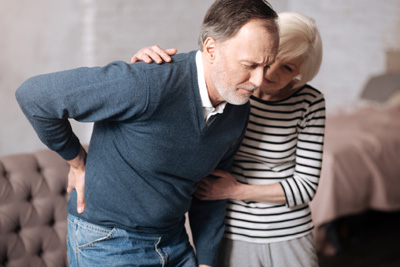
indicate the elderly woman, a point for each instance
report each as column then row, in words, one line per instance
column 277, row 169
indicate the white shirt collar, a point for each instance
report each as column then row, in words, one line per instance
column 208, row 109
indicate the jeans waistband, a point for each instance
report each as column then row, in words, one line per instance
column 165, row 235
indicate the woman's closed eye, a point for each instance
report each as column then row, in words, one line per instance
column 287, row 68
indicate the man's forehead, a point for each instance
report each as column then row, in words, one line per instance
column 254, row 44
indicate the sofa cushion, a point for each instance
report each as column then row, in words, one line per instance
column 33, row 216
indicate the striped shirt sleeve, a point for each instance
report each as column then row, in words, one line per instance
column 301, row 187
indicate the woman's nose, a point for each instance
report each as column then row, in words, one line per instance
column 272, row 71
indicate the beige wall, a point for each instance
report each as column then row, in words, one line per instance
column 36, row 37
column 45, row 35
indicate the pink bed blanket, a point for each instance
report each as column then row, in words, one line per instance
column 361, row 166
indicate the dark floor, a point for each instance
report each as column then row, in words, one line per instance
column 369, row 239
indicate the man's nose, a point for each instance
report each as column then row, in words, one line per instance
column 257, row 76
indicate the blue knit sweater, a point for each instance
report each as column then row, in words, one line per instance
column 150, row 144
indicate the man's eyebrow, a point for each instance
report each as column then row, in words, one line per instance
column 252, row 62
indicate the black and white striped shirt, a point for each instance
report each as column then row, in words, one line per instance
column 283, row 144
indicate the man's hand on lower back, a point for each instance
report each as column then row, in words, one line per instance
column 76, row 178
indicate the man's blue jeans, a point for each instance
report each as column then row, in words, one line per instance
column 93, row 245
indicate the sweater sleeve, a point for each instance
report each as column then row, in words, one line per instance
column 207, row 218
column 207, row 225
column 114, row 92
column 301, row 187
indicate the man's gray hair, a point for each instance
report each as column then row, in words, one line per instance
column 224, row 18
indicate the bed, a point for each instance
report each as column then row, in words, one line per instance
column 361, row 164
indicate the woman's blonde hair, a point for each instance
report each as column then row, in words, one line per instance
column 300, row 38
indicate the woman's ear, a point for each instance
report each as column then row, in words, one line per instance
column 209, row 49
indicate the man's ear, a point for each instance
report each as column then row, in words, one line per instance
column 209, row 49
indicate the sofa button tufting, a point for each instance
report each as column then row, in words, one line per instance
column 63, row 192
column 31, row 199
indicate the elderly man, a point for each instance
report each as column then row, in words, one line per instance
column 158, row 130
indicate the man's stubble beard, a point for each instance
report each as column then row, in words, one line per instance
column 228, row 92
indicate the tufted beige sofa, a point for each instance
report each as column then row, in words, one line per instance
column 33, row 210
column 33, row 216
